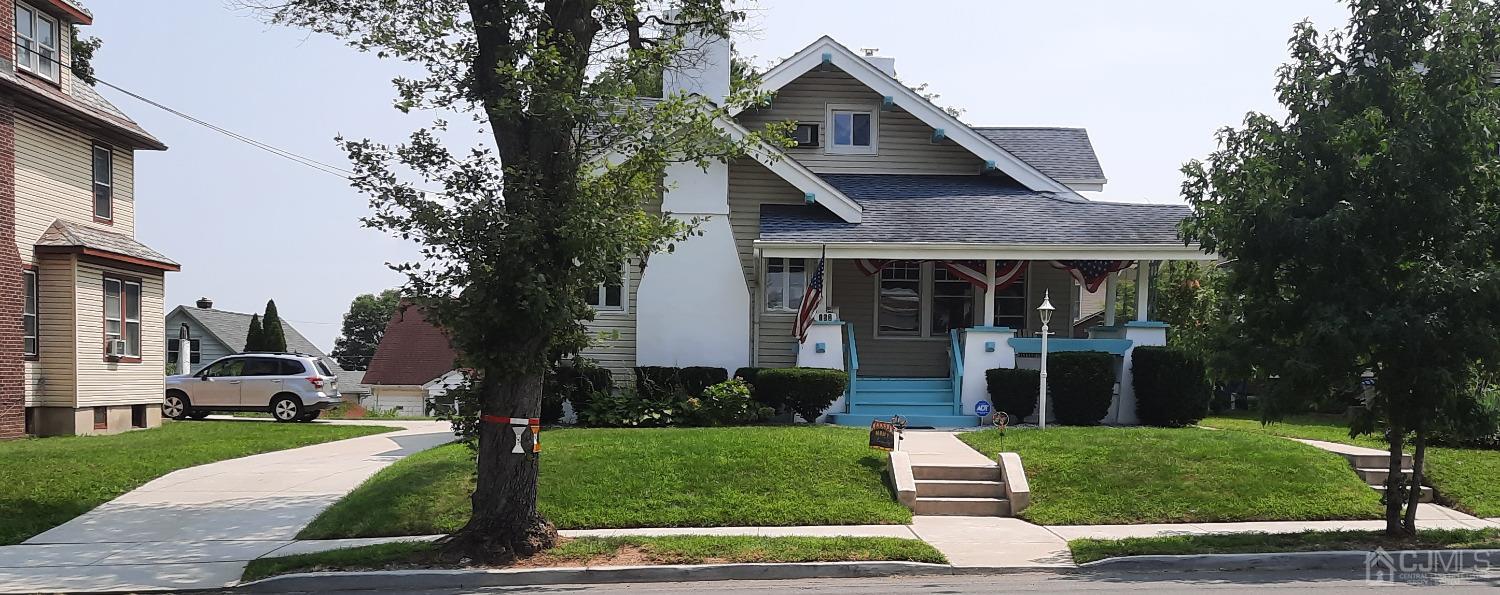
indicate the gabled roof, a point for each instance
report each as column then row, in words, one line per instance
column 1063, row 153
column 990, row 211
column 411, row 352
column 827, row 50
column 795, row 174
column 230, row 328
column 66, row 236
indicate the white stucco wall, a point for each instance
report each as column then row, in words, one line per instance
column 978, row 360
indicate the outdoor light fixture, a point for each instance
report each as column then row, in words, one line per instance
column 1045, row 311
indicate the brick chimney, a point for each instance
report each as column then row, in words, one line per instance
column 205, row 303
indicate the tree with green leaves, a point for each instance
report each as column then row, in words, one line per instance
column 1362, row 227
column 364, row 324
column 273, row 333
column 546, row 205
column 255, row 339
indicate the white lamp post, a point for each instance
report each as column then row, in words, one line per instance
column 1045, row 310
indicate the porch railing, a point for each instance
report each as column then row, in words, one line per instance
column 956, row 370
column 851, row 362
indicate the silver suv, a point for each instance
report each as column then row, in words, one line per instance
column 289, row 386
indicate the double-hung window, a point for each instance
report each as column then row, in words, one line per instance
column 122, row 314
column 852, row 129
column 36, row 43
column 607, row 297
column 1010, row 306
column 899, row 308
column 174, row 350
column 104, row 192
column 952, row 302
column 29, row 332
column 786, row 282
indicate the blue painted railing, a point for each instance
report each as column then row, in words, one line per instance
column 956, row 370
column 851, row 362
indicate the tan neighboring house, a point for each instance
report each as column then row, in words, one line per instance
column 82, row 345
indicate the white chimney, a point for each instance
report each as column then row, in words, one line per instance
column 701, row 68
column 886, row 65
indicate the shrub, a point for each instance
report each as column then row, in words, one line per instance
column 1171, row 388
column 552, row 407
column 805, row 391
column 1013, row 391
column 577, row 384
column 657, row 382
column 1470, row 421
column 749, row 374
column 696, row 379
column 628, row 409
column 1080, row 386
column 724, row 404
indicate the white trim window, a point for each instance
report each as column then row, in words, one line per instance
column 29, row 330
column 37, row 43
column 122, row 313
column 899, row 300
column 952, row 303
column 1010, row 306
column 608, row 297
column 852, row 129
column 786, row 282
column 104, row 193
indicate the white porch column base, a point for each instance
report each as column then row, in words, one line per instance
column 985, row 348
column 1141, row 333
column 824, row 348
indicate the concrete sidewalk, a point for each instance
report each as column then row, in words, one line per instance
column 196, row 528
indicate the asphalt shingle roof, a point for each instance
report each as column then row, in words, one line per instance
column 1061, row 153
column 231, row 328
column 969, row 209
column 66, row 234
column 411, row 352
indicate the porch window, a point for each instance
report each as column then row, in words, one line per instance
column 28, row 315
column 952, row 302
column 786, row 281
column 852, row 129
column 1010, row 306
column 899, row 311
column 122, row 314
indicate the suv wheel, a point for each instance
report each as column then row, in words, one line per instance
column 286, row 409
column 175, row 406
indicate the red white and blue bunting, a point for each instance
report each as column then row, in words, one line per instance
column 973, row 271
column 1092, row 273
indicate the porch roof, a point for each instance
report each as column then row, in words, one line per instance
column 973, row 217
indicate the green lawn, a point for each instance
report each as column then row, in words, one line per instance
column 1089, row 550
column 1465, row 478
column 686, row 549
column 669, row 477
column 48, row 481
column 1102, row 475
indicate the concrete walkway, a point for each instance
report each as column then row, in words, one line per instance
column 198, row 527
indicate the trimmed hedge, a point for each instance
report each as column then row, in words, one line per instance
column 1080, row 385
column 1171, row 387
column 805, row 391
column 696, row 379
column 1014, row 390
column 657, row 382
column 578, row 384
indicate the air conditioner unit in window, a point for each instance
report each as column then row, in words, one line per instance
column 806, row 135
column 114, row 347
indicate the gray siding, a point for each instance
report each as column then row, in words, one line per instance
column 903, row 142
column 750, row 186
column 613, row 334
column 209, row 348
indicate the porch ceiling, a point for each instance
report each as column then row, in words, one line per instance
column 973, row 217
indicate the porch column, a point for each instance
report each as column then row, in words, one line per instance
column 989, row 293
column 985, row 348
column 1111, row 290
column 1142, row 290
column 824, row 348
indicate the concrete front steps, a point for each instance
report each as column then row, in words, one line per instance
column 959, row 490
column 1373, row 466
column 924, row 402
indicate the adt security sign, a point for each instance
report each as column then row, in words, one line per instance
column 982, row 408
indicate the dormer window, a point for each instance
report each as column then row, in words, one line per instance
column 852, row 129
column 36, row 43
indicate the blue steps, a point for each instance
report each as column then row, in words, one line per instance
column 924, row 402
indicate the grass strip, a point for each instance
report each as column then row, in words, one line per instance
column 1089, row 550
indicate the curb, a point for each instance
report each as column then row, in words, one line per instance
column 463, row 579
column 1331, row 560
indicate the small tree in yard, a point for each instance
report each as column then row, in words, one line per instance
column 364, row 324
column 1362, row 228
column 273, row 336
column 256, row 337
column 547, row 206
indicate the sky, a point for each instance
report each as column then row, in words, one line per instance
column 1151, row 81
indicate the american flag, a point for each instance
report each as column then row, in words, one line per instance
column 812, row 302
column 1092, row 273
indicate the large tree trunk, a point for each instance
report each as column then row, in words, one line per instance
column 505, row 524
column 1396, row 436
column 1414, row 498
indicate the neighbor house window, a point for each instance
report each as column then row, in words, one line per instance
column 1010, row 306
column 851, row 129
column 898, row 312
column 28, row 315
column 607, row 296
column 122, row 314
column 952, row 302
column 172, row 350
column 104, row 192
column 786, row 281
column 36, row 42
